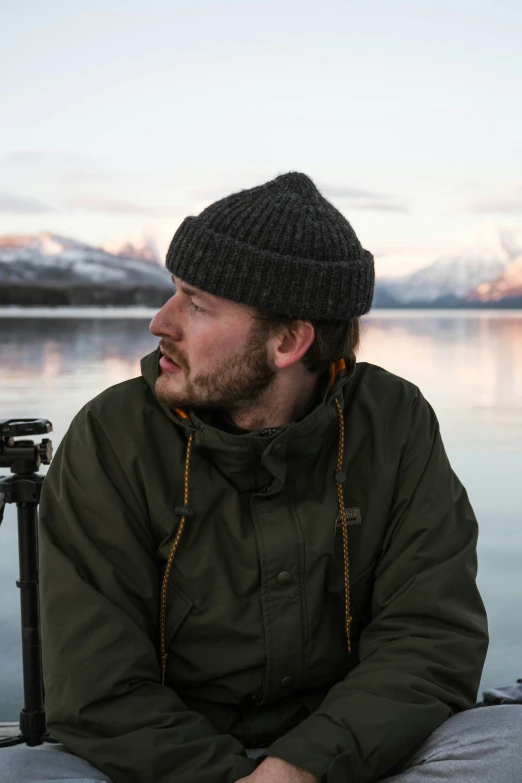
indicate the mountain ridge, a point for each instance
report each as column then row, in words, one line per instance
column 460, row 279
column 56, row 270
column 51, row 269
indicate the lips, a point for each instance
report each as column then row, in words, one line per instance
column 168, row 357
column 167, row 364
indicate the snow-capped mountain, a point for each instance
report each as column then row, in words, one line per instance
column 142, row 250
column 75, row 272
column 453, row 276
column 450, row 278
column 507, row 285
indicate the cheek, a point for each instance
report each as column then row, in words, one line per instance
column 210, row 340
column 204, row 345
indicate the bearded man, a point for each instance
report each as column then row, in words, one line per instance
column 256, row 561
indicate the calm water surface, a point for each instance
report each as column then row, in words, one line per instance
column 468, row 365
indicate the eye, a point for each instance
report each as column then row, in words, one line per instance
column 195, row 308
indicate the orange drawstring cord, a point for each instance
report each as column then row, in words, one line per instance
column 187, row 511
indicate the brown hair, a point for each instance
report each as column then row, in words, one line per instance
column 333, row 339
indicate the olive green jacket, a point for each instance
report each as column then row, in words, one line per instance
column 255, row 604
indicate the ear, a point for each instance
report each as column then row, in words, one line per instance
column 292, row 342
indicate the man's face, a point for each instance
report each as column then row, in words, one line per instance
column 220, row 353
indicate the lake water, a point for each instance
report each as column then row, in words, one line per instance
column 467, row 364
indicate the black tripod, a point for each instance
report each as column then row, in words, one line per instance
column 23, row 488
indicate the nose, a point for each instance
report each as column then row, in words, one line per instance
column 165, row 323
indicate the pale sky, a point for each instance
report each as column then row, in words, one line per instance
column 408, row 115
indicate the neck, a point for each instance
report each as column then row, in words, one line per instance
column 282, row 402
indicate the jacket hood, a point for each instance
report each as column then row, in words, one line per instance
column 260, row 458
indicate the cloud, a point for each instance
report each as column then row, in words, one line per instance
column 380, row 206
column 336, row 191
column 211, row 194
column 65, row 168
column 21, row 205
column 117, row 207
column 54, row 159
column 38, row 168
column 506, row 204
column 363, row 199
column 507, row 207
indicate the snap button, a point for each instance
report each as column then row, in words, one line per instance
column 286, row 681
column 284, row 578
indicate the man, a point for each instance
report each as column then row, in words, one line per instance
column 260, row 544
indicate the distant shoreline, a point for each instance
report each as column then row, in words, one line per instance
column 136, row 312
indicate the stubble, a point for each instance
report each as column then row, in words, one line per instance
column 233, row 385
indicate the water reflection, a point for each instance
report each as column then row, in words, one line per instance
column 24, row 340
column 469, row 368
column 52, row 367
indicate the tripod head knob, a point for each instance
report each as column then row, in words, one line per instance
column 24, row 456
column 45, row 451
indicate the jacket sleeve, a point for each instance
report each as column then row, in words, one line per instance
column 422, row 653
column 99, row 597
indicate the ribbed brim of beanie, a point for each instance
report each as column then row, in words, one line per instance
column 281, row 247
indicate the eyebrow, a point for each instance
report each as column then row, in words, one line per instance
column 187, row 289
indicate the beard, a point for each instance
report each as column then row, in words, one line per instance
column 239, row 379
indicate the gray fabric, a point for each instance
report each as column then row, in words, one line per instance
column 51, row 762
column 280, row 247
column 509, row 694
column 47, row 763
column 476, row 746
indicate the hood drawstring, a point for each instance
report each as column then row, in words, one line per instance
column 186, row 511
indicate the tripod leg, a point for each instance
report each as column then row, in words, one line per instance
column 32, row 717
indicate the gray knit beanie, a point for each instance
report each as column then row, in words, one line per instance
column 280, row 247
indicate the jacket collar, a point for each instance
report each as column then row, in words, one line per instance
column 261, row 459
